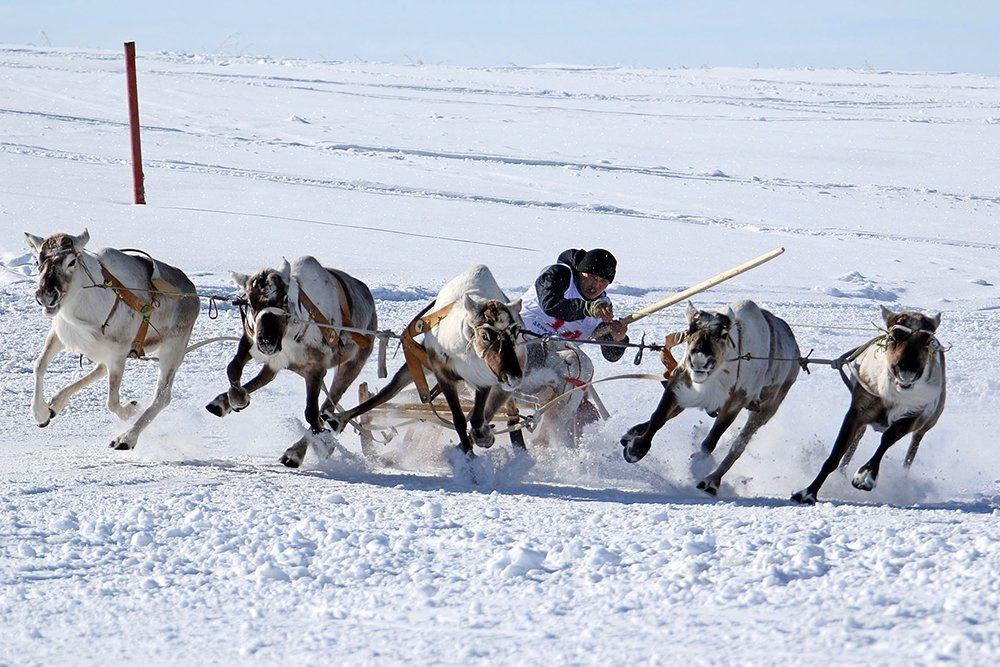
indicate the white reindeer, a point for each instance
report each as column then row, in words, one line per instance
column 475, row 341
column 717, row 375
column 104, row 306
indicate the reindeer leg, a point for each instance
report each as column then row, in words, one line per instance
column 338, row 422
column 850, row 449
column 638, row 439
column 727, row 415
column 911, row 453
column 481, row 431
column 346, row 373
column 768, row 408
column 171, row 355
column 516, row 435
column 294, row 455
column 238, row 397
column 867, row 475
column 61, row 399
column 314, row 385
column 457, row 415
column 850, row 431
column 40, row 409
column 221, row 405
column 124, row 412
column 710, row 484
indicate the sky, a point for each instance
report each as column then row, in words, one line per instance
column 905, row 36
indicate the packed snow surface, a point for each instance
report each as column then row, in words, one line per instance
column 199, row 548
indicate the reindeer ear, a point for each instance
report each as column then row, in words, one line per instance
column 471, row 303
column 935, row 321
column 886, row 313
column 240, row 279
column 285, row 270
column 34, row 241
column 514, row 306
column 690, row 312
column 80, row 241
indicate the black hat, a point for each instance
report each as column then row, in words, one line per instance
column 598, row 262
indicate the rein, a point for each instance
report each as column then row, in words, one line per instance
column 850, row 379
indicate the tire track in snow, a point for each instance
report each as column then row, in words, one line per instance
column 825, row 109
column 517, row 161
column 376, row 188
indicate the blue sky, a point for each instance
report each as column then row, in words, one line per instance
column 958, row 35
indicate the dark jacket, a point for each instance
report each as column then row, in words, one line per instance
column 551, row 288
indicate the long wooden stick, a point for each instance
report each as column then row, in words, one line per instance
column 702, row 286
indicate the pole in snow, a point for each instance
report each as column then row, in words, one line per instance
column 138, row 187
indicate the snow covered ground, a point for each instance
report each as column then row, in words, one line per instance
column 199, row 548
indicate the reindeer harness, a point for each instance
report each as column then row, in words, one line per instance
column 415, row 353
column 130, row 299
column 329, row 333
column 125, row 295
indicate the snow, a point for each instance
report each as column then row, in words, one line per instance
column 199, row 548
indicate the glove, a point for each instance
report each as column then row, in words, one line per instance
column 594, row 308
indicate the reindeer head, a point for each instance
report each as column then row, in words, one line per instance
column 707, row 340
column 58, row 259
column 910, row 344
column 267, row 314
column 496, row 327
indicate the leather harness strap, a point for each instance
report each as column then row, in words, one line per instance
column 669, row 363
column 130, row 299
column 329, row 333
column 415, row 353
column 345, row 317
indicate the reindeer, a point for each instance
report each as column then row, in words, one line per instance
column 294, row 319
column 105, row 307
column 898, row 387
column 740, row 358
column 470, row 335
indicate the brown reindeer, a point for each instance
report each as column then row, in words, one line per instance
column 898, row 388
column 295, row 320
column 717, row 376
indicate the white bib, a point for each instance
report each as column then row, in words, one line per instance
column 537, row 320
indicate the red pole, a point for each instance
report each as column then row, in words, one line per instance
column 138, row 186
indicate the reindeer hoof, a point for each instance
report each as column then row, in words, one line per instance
column 864, row 480
column 120, row 445
column 238, row 397
column 517, row 440
column 52, row 413
column 483, row 437
column 804, row 497
column 334, row 422
column 220, row 405
column 633, row 452
column 710, row 488
column 289, row 462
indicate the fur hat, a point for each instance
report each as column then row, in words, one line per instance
column 598, row 262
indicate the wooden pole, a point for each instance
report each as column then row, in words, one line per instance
column 138, row 186
column 702, row 286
